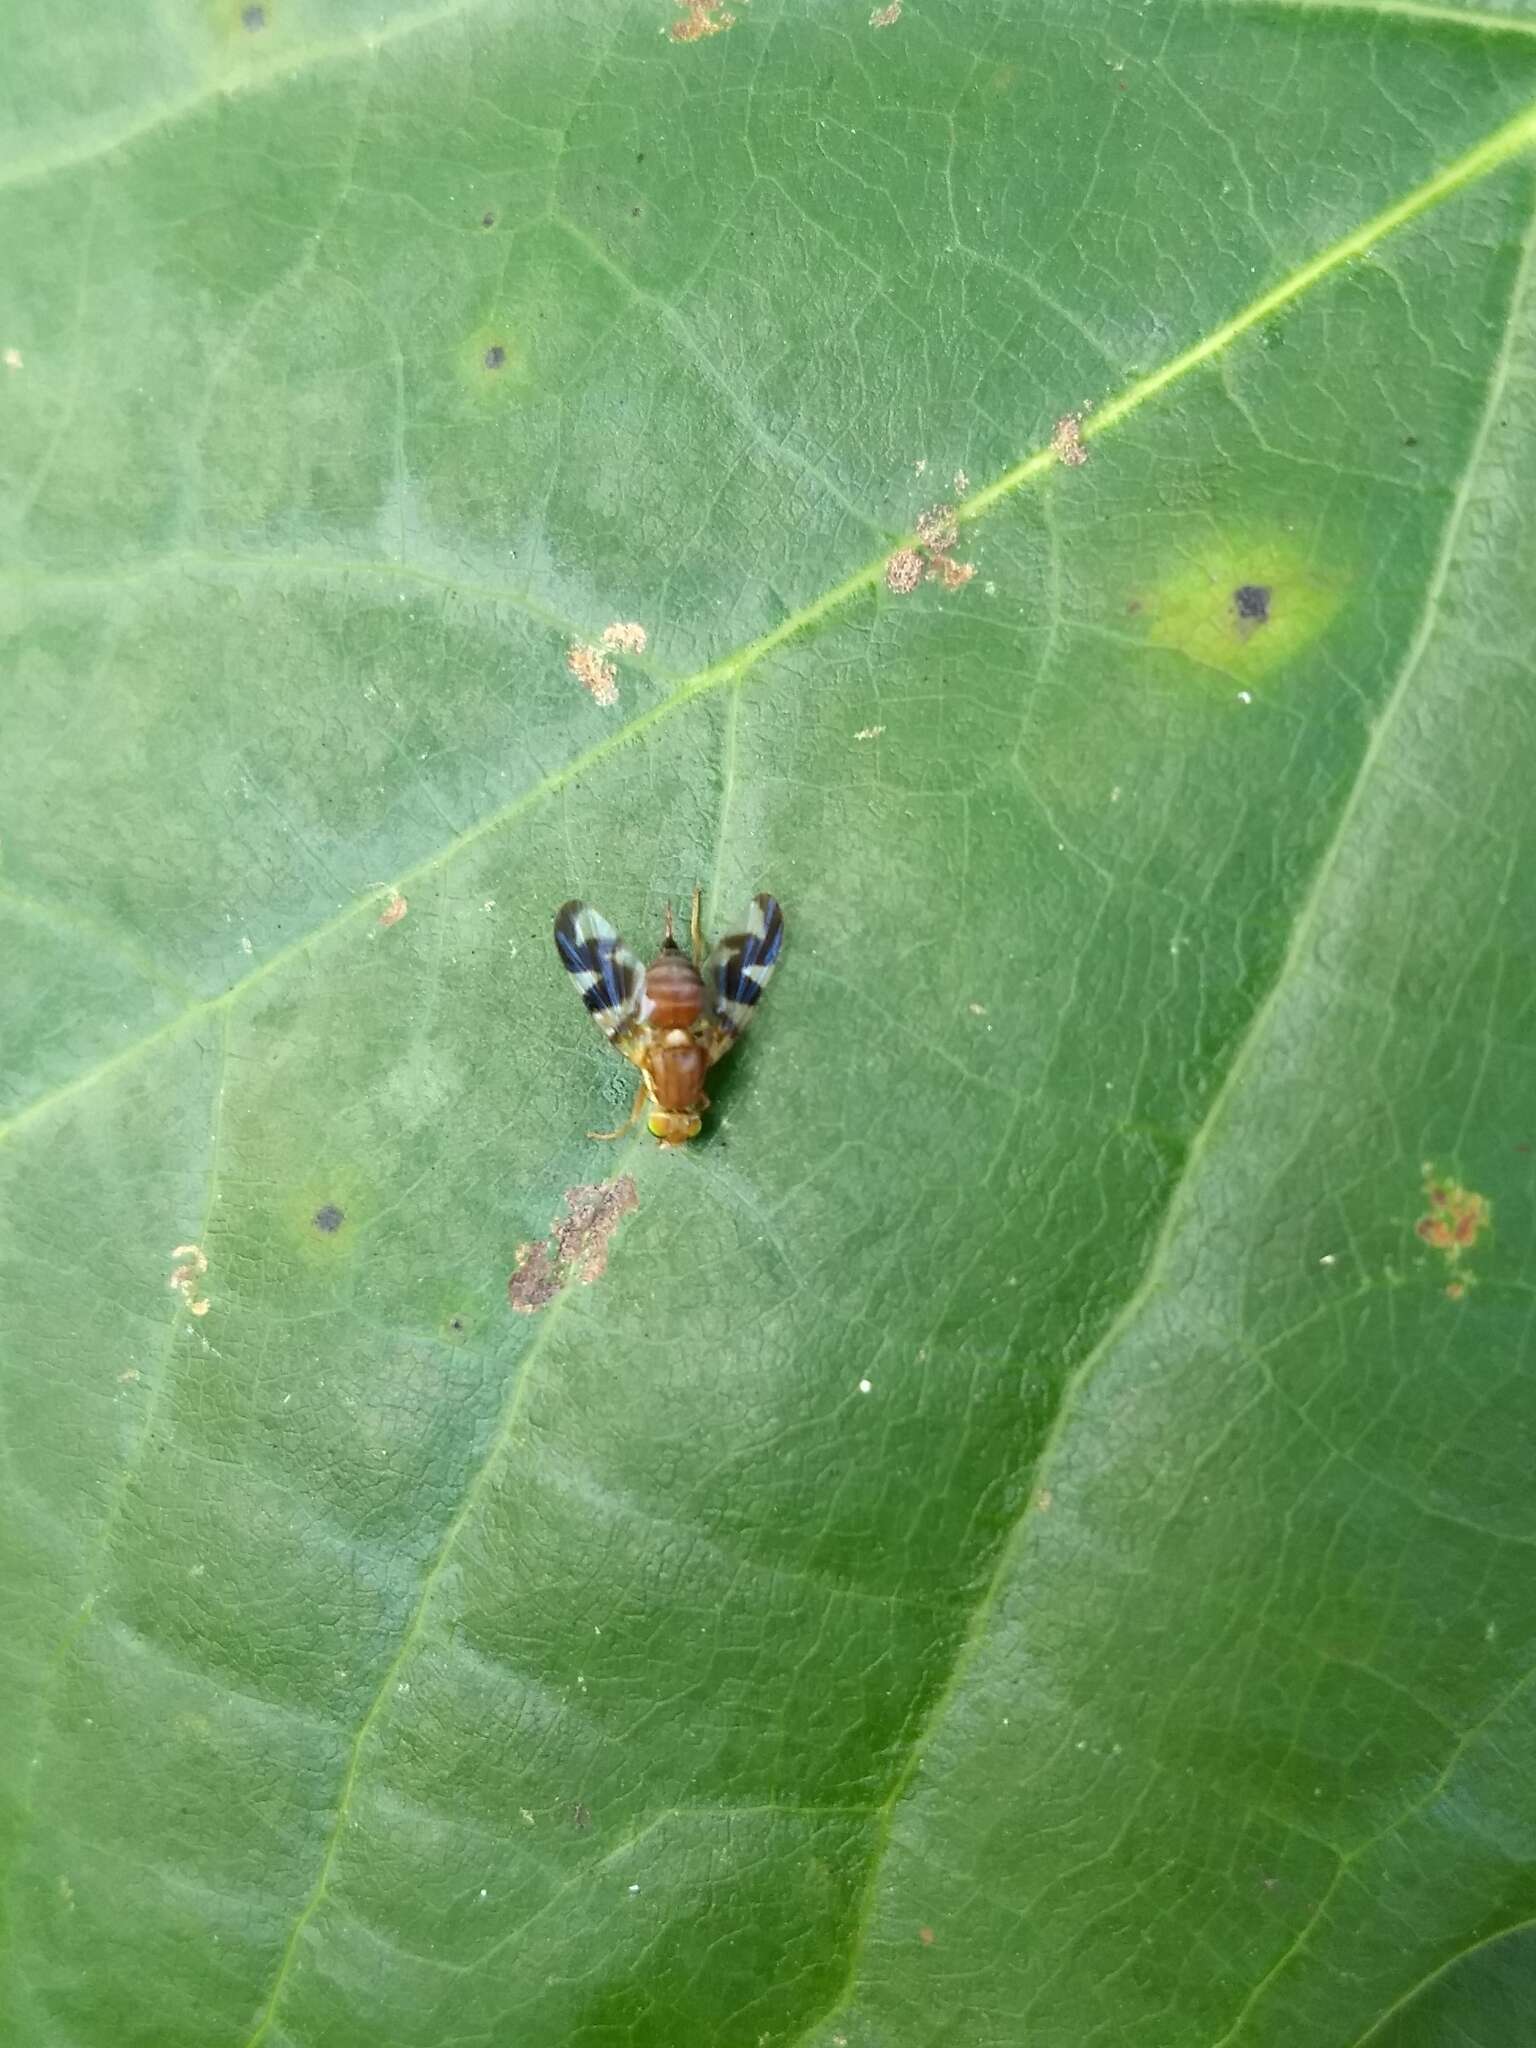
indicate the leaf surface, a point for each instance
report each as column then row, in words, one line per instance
column 1023, row 1533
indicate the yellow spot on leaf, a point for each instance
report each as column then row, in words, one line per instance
column 1243, row 607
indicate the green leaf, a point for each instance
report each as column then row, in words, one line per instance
column 1023, row 1532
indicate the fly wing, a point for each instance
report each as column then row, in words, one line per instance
column 609, row 976
column 738, row 970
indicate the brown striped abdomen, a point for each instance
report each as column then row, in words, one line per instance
column 674, row 993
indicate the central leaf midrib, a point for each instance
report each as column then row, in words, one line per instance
column 1484, row 157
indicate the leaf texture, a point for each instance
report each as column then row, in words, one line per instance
column 1022, row 1533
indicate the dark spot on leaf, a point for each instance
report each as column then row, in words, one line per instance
column 1251, row 601
column 581, row 1817
column 329, row 1218
column 495, row 356
column 1410, row 440
column 487, row 220
column 253, row 19
column 634, row 213
column 455, row 1322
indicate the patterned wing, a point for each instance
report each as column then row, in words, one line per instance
column 609, row 975
column 738, row 970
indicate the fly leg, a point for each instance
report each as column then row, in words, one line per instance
column 630, row 1121
column 697, row 930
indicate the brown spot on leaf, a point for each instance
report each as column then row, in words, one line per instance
column 393, row 910
column 925, row 1936
column 1250, row 601
column 952, row 574
column 904, row 571
column 597, row 676
column 624, row 636
column 577, row 1248
column 703, row 18
column 1455, row 1220
column 193, row 1264
column 1067, row 440
column 938, row 529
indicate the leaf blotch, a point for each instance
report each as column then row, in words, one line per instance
column 328, row 1218
column 1246, row 605
column 186, row 1274
column 1067, row 440
column 904, row 571
column 495, row 356
column 595, row 673
column 577, row 1247
column 702, row 18
column 1454, row 1219
column 253, row 20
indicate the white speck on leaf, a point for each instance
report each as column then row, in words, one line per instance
column 866, row 1386
column 13, row 359
column 1245, row 696
column 246, row 946
column 869, row 732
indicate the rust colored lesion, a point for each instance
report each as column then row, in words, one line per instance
column 595, row 673
column 938, row 533
column 186, row 1277
column 1067, row 440
column 1455, row 1218
column 701, row 18
column 577, row 1247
